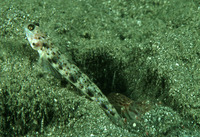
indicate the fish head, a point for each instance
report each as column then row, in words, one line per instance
column 35, row 37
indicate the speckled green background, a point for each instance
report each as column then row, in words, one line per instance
column 147, row 50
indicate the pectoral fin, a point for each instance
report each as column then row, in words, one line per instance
column 49, row 68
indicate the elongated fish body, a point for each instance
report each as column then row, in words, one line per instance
column 58, row 63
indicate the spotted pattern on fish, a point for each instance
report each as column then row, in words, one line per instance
column 57, row 62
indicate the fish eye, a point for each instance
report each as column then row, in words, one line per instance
column 31, row 27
